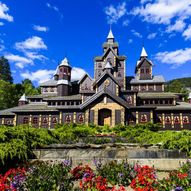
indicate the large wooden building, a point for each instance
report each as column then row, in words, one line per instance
column 110, row 98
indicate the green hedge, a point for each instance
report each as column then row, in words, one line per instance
column 16, row 143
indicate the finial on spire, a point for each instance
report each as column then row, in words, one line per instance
column 64, row 62
column 143, row 52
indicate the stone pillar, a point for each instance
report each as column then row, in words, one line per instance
column 163, row 87
column 151, row 116
column 172, row 120
column 163, row 121
column 113, row 117
column 95, row 116
column 74, row 120
column 30, row 120
column 135, row 99
column 181, row 122
column 3, row 121
column 60, row 117
column 137, row 117
column 87, row 117
column 49, row 121
column 40, row 121
column 147, row 87
column 122, row 116
column 154, row 87
column 14, row 120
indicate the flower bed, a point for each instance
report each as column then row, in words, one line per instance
column 60, row 176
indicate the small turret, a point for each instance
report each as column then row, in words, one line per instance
column 23, row 100
column 64, row 78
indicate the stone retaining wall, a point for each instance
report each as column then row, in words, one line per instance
column 150, row 155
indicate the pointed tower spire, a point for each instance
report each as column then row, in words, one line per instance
column 143, row 53
column 110, row 35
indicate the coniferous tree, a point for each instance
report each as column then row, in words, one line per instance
column 5, row 71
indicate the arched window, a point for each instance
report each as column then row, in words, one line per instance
column 159, row 119
column 68, row 118
column 185, row 120
column 25, row 120
column 99, row 65
column 167, row 120
column 35, row 120
column 8, row 122
column 119, row 74
column 60, row 69
column 65, row 71
column 176, row 119
column 142, row 71
column 45, row 90
column 45, row 121
column 143, row 118
column 147, row 71
column 51, row 89
column 80, row 118
column 54, row 120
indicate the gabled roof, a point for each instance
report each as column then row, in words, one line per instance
column 51, row 82
column 139, row 62
column 103, row 75
column 155, row 79
column 99, row 94
column 86, row 74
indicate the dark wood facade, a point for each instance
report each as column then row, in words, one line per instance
column 107, row 99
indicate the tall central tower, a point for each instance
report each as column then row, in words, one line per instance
column 110, row 58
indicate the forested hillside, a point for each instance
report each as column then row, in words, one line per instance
column 179, row 85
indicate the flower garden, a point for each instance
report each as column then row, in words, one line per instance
column 112, row 176
column 17, row 172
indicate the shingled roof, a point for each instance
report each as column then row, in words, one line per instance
column 155, row 79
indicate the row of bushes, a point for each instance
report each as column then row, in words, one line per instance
column 16, row 143
column 112, row 176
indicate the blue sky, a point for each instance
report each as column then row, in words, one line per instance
column 36, row 35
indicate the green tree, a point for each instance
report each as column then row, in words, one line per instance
column 5, row 72
column 29, row 88
column 8, row 95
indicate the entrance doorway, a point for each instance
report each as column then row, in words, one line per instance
column 104, row 117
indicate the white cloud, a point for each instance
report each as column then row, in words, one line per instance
column 45, row 75
column 187, row 33
column 1, row 23
column 35, row 43
column 175, row 58
column 178, row 26
column 145, row 1
column 56, row 9
column 39, row 75
column 126, row 22
column 115, row 13
column 2, row 47
column 40, row 28
column 137, row 34
column 34, row 55
column 3, row 12
column 130, row 41
column 19, row 61
column 152, row 36
column 77, row 73
column 162, row 11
